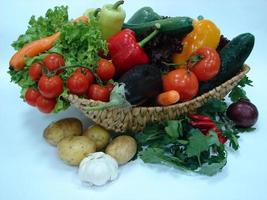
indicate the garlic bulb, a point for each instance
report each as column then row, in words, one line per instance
column 98, row 168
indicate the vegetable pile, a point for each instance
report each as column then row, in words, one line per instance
column 159, row 61
column 150, row 60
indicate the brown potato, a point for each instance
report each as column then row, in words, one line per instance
column 99, row 135
column 58, row 130
column 122, row 148
column 75, row 148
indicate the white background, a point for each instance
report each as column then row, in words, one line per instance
column 30, row 168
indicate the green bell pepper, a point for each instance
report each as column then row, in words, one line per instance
column 145, row 14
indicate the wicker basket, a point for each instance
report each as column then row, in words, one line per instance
column 135, row 118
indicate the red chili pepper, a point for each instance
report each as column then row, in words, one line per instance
column 203, row 124
column 197, row 117
column 126, row 52
column 221, row 138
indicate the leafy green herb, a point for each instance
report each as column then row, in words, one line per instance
column 199, row 143
column 62, row 102
column 238, row 92
column 41, row 27
column 175, row 144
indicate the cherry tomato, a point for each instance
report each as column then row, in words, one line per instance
column 183, row 81
column 45, row 105
column 54, row 61
column 31, row 96
column 50, row 87
column 35, row 71
column 88, row 73
column 98, row 93
column 110, row 87
column 209, row 66
column 105, row 70
column 78, row 83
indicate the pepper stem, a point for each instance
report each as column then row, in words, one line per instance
column 117, row 4
column 95, row 13
column 150, row 36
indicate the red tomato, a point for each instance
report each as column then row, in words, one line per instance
column 183, row 81
column 98, row 93
column 78, row 83
column 88, row 73
column 105, row 70
column 209, row 66
column 35, row 71
column 50, row 87
column 45, row 105
column 110, row 87
column 31, row 96
column 54, row 61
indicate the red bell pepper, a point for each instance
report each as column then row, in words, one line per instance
column 126, row 52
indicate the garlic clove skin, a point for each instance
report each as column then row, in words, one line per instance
column 98, row 168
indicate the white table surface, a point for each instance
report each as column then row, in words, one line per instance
column 30, row 168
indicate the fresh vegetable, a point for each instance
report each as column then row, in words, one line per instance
column 98, row 168
column 238, row 91
column 73, row 149
column 205, row 124
column 79, row 44
column 122, row 149
column 50, row 87
column 62, row 128
column 188, row 142
column 183, row 81
column 88, row 73
column 53, row 61
column 105, row 69
column 176, row 144
column 209, row 64
column 161, row 48
column 243, row 113
column 204, row 34
column 233, row 56
column 111, row 18
column 168, row 98
column 78, row 83
column 98, row 93
column 98, row 135
column 31, row 96
column 117, row 99
column 35, row 71
column 143, row 15
column 126, row 52
column 141, row 82
column 174, row 25
column 45, row 105
column 32, row 49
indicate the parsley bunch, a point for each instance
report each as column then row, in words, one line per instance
column 177, row 144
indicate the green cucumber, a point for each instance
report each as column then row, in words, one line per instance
column 233, row 57
column 144, row 14
column 177, row 25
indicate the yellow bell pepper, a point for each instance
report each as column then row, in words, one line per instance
column 204, row 34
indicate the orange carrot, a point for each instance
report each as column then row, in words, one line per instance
column 168, row 98
column 36, row 47
column 32, row 49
